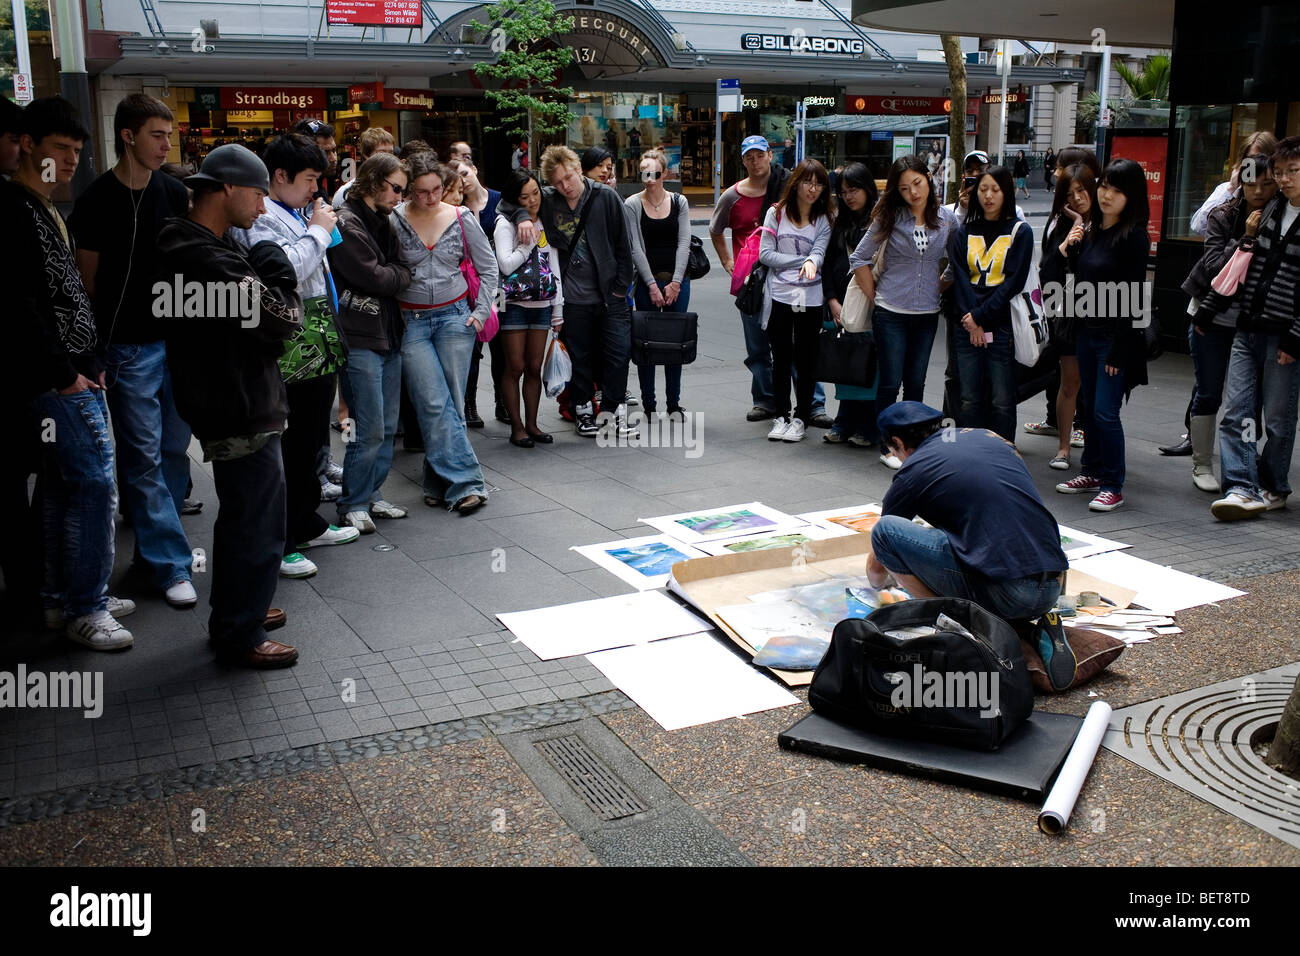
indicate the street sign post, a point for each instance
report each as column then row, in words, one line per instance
column 22, row 87
column 729, row 101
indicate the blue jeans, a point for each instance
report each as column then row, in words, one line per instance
column 1210, row 361
column 927, row 554
column 1256, row 379
column 990, row 369
column 152, row 457
column 372, row 387
column 436, row 349
column 758, row 359
column 1103, row 432
column 903, row 344
column 80, row 501
column 672, row 373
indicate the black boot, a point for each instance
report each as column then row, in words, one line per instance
column 1178, row 448
column 472, row 419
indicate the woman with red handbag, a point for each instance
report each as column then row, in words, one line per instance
column 445, row 249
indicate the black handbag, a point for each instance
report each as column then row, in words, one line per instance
column 664, row 338
column 749, row 299
column 967, row 686
column 697, row 263
column 846, row 358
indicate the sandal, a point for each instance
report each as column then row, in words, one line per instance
column 1060, row 462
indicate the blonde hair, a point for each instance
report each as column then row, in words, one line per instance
column 658, row 156
column 556, row 156
column 373, row 138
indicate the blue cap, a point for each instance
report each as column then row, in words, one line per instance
column 754, row 142
column 903, row 414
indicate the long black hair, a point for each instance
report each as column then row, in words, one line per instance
column 1127, row 176
column 892, row 202
column 850, row 225
column 1002, row 176
column 1058, row 222
column 514, row 185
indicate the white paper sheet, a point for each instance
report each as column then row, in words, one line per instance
column 1060, row 802
column 567, row 630
column 759, row 542
column 631, row 558
column 1158, row 588
column 1083, row 545
column 728, row 521
column 690, row 680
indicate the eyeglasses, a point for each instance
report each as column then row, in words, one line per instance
column 812, row 184
column 426, row 193
column 394, row 187
column 651, row 175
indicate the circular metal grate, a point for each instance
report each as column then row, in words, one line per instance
column 1201, row 741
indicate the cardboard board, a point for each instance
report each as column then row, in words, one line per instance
column 710, row 583
column 1022, row 767
column 1076, row 582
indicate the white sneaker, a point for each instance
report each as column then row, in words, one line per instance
column 330, row 491
column 779, row 426
column 621, row 426
column 334, row 472
column 333, row 535
column 632, row 401
column 794, row 431
column 296, row 566
column 890, row 460
column 181, row 595
column 1273, row 502
column 1234, row 505
column 100, row 632
column 359, row 521
column 120, row 607
column 384, row 509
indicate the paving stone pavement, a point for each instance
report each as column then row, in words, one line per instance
column 395, row 642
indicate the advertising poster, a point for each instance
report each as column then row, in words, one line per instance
column 1149, row 153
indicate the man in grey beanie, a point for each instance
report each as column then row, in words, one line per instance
column 226, row 313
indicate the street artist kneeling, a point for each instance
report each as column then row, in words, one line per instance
column 992, row 539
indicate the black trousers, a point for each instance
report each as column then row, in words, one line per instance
column 247, row 544
column 22, row 547
column 308, row 428
column 599, row 340
column 793, row 337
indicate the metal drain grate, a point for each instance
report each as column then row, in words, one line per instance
column 1200, row 740
column 607, row 796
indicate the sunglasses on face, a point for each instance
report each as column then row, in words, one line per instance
column 394, row 187
column 651, row 175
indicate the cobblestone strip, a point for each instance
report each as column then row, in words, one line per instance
column 154, row 786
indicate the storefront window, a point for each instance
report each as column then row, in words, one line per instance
column 1209, row 137
column 627, row 124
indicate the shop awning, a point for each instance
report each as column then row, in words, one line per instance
column 842, row 123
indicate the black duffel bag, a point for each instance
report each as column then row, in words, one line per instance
column 664, row 338
column 846, row 358
column 969, row 689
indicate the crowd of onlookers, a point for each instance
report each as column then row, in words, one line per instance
column 237, row 305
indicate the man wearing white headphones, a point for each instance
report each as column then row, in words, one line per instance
column 116, row 222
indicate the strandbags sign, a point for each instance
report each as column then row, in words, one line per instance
column 270, row 97
column 802, row 43
column 374, row 13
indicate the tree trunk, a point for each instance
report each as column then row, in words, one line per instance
column 1284, row 753
column 957, row 116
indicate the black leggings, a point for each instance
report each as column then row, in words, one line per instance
column 793, row 337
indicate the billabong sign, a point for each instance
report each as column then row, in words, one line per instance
column 791, row 43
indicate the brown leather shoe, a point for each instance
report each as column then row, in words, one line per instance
column 268, row 654
column 275, row 619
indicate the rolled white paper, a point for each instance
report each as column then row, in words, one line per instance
column 1054, row 816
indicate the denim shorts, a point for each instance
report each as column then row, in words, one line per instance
column 518, row 317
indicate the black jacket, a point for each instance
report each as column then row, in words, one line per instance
column 369, row 276
column 606, row 233
column 50, row 323
column 225, row 368
column 845, row 236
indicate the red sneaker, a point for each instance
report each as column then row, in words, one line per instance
column 1078, row 485
column 1106, row 501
